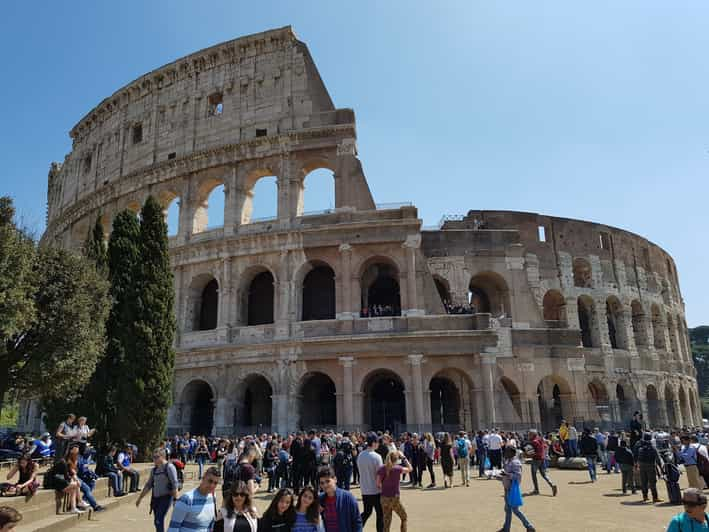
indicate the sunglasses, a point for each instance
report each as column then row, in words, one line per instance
column 239, row 495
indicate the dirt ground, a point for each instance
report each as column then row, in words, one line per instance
column 579, row 506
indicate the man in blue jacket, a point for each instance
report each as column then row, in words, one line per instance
column 340, row 509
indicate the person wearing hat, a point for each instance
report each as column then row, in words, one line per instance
column 369, row 462
column 694, row 517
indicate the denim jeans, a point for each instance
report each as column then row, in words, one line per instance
column 200, row 463
column 539, row 465
column 160, row 506
column 88, row 496
column 116, row 483
column 591, row 461
column 573, row 448
column 611, row 463
column 509, row 510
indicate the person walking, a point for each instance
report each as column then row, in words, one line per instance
column 195, row 510
column 447, row 460
column 688, row 455
column 369, row 462
column 589, row 450
column 694, row 517
column 463, row 451
column 626, row 461
column 163, row 483
column 480, row 452
column 647, row 461
column 539, row 462
column 511, row 475
column 494, row 449
column 340, row 509
column 389, row 482
column 429, row 447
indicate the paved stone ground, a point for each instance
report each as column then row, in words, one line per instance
column 580, row 506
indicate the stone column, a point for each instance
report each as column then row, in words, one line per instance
column 186, row 215
column 282, row 420
column 415, row 362
column 232, row 213
column 410, row 246
column 627, row 319
column 488, row 362
column 224, row 294
column 283, row 290
column 347, row 418
column 223, row 416
column 345, row 309
column 572, row 313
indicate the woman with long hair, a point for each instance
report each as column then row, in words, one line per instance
column 447, row 460
column 27, row 483
column 238, row 513
column 280, row 514
column 307, row 512
column 429, row 447
column 389, row 482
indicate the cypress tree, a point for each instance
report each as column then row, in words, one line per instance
column 154, row 328
column 95, row 247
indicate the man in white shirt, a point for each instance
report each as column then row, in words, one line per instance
column 368, row 463
column 494, row 449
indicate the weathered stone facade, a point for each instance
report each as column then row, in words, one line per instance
column 571, row 319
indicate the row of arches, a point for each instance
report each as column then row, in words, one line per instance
column 488, row 292
column 615, row 316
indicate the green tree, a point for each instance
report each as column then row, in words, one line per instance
column 153, row 357
column 17, row 310
column 95, row 247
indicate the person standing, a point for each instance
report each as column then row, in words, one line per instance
column 512, row 473
column 539, row 462
column 343, row 461
column 564, row 437
column 494, row 449
column 636, row 429
column 589, row 450
column 280, row 514
column 63, row 435
column 307, row 512
column 480, row 452
column 694, row 517
column 163, row 483
column 626, row 461
column 429, row 447
column 463, row 448
column 340, row 509
column 389, row 482
column 573, row 441
column 195, row 510
column 369, row 462
column 647, row 461
column 688, row 454
column 447, row 460
column 612, row 444
column 238, row 513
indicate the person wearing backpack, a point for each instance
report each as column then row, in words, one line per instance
column 164, row 484
column 463, row 448
column 647, row 461
column 694, row 517
column 688, row 454
column 343, row 462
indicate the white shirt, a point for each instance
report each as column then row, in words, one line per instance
column 229, row 522
column 494, row 442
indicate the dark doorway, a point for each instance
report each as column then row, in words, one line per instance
column 209, row 307
column 198, row 398
column 380, row 291
column 387, row 405
column 260, row 303
column 550, row 409
column 445, row 403
column 319, row 294
column 258, row 404
column 318, row 404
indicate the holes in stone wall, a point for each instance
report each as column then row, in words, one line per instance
column 137, row 133
column 215, row 104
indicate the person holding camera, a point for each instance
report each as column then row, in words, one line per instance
column 389, row 482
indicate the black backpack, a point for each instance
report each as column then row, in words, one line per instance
column 646, row 454
column 231, row 474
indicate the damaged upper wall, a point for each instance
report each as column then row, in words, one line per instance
column 259, row 85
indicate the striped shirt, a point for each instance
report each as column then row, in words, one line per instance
column 193, row 512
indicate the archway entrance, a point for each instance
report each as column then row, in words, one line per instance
column 260, row 299
column 554, row 404
column 198, row 413
column 319, row 294
column 317, row 402
column 385, row 404
column 445, row 405
column 208, row 311
column 653, row 406
column 670, row 406
column 380, row 291
column 256, row 406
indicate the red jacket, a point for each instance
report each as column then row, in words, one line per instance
column 540, row 447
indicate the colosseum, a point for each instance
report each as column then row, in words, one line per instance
column 358, row 316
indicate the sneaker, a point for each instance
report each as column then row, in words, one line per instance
column 99, row 508
column 83, row 506
column 554, row 491
column 657, row 500
column 76, row 511
column 534, row 492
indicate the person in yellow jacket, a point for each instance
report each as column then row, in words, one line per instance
column 564, row 436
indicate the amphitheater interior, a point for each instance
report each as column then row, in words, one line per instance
column 357, row 316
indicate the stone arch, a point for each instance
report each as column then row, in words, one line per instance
column 317, row 291
column 583, row 274
column 443, row 289
column 554, row 306
column 654, row 408
column 615, row 320
column 509, row 400
column 321, row 173
column 626, row 401
column 599, row 396
column 317, row 404
column 658, row 329
column 250, row 191
column 670, row 406
column 384, row 397
column 197, row 399
column 253, row 412
column 446, row 402
column 555, row 401
column 588, row 322
column 380, row 288
column 488, row 292
column 204, row 194
column 203, row 303
column 638, row 322
column 257, row 295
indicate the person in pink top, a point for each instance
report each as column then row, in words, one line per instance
column 389, row 481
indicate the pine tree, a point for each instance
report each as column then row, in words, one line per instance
column 154, row 328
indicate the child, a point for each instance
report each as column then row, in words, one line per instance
column 280, row 515
column 307, row 513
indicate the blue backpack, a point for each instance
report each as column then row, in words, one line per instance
column 462, row 448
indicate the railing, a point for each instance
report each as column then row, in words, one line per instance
column 261, row 220
column 387, row 206
column 315, row 213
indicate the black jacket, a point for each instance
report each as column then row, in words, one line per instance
column 624, row 456
column 588, row 446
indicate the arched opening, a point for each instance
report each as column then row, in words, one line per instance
column 318, row 195
column 587, row 320
column 653, row 406
column 260, row 299
column 198, row 408
column 673, row 337
column 554, row 398
column 384, row 401
column 380, row 291
column 172, row 217
column 317, row 402
column 215, row 208
column 599, row 396
column 319, row 294
column 624, row 405
column 554, row 307
column 256, row 406
column 209, row 306
column 261, row 200
column 670, row 407
column 616, row 323
column 445, row 404
column 638, row 320
column 443, row 291
column 488, row 292
column 658, row 330
column 509, row 402
column 209, row 213
column 583, row 276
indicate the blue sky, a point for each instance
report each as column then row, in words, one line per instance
column 596, row 111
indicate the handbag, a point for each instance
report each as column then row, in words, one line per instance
column 514, row 495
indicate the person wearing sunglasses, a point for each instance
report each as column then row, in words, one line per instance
column 238, row 513
column 196, row 509
column 694, row 517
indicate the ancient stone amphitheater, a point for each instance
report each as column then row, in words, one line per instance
column 359, row 317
